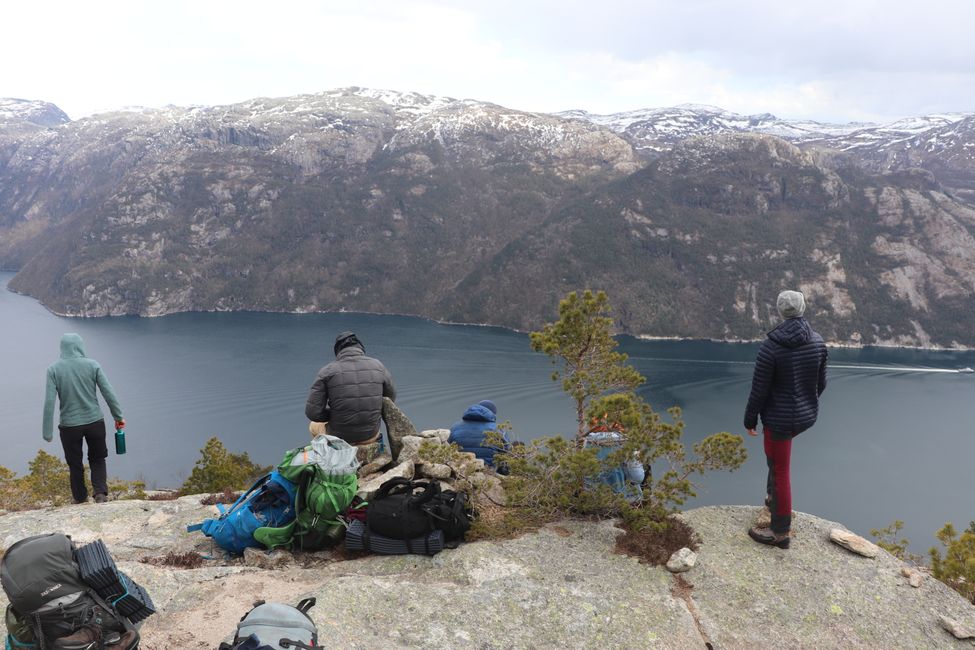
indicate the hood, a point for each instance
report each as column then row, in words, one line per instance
column 72, row 347
column 351, row 351
column 479, row 413
column 792, row 333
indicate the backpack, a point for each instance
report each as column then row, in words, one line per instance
column 269, row 502
column 48, row 598
column 270, row 626
column 399, row 511
column 621, row 479
column 325, row 473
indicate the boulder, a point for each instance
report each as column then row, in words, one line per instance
column 379, row 463
column 435, row 470
column 410, row 449
column 489, row 489
column 398, row 426
column 682, row 560
column 958, row 630
column 914, row 577
column 439, row 434
column 853, row 542
column 367, row 489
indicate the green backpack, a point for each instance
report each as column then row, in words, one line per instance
column 325, row 473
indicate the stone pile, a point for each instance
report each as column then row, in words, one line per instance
column 464, row 472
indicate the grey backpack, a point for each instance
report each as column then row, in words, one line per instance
column 277, row 626
column 48, row 597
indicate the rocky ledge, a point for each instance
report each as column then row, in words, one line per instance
column 563, row 586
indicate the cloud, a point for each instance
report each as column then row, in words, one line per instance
column 866, row 59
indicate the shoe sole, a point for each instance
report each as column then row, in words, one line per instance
column 783, row 544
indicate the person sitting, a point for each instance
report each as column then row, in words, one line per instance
column 346, row 399
column 470, row 431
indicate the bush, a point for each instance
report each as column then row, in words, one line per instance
column 218, row 470
column 47, row 483
column 887, row 540
column 957, row 568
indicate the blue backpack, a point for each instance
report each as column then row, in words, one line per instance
column 624, row 479
column 269, row 502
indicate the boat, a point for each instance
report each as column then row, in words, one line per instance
column 965, row 370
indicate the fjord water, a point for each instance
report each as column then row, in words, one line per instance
column 895, row 439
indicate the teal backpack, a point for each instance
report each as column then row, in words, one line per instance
column 325, row 473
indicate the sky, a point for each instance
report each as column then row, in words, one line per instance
column 830, row 60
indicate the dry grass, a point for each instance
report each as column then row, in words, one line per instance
column 227, row 496
column 170, row 495
column 188, row 560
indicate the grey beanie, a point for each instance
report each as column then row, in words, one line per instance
column 791, row 304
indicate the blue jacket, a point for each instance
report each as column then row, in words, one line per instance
column 469, row 432
column 790, row 375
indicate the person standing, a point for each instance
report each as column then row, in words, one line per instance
column 790, row 375
column 73, row 380
column 346, row 399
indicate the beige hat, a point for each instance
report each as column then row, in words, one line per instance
column 791, row 304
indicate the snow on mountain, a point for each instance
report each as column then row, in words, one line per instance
column 31, row 111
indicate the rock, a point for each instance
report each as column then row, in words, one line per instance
column 439, row 434
column 261, row 559
column 398, row 426
column 959, row 630
column 377, row 464
column 435, row 470
column 368, row 488
column 410, row 449
column 471, row 466
column 490, row 489
column 914, row 577
column 853, row 542
column 682, row 560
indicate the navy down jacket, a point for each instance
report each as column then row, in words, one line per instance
column 790, row 375
column 469, row 432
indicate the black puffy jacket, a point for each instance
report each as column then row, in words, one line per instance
column 790, row 375
column 348, row 394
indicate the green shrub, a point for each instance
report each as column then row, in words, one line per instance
column 887, row 540
column 957, row 568
column 218, row 470
column 47, row 483
column 553, row 477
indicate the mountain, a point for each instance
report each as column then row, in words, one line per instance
column 380, row 201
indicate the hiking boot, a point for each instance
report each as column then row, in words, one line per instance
column 101, row 498
column 86, row 638
column 127, row 641
column 768, row 537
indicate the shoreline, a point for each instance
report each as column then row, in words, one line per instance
column 640, row 337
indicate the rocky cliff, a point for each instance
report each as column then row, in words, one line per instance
column 563, row 586
column 460, row 210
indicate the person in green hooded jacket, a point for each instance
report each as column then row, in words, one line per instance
column 73, row 380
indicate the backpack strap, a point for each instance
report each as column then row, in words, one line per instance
column 306, row 604
column 393, row 486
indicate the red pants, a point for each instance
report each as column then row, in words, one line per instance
column 778, row 452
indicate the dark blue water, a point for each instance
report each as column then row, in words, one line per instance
column 895, row 440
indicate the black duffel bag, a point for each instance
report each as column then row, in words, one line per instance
column 397, row 509
column 408, row 510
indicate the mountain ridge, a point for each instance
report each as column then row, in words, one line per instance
column 464, row 211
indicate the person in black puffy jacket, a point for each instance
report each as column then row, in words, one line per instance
column 790, row 375
column 346, row 399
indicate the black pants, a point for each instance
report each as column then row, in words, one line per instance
column 72, row 439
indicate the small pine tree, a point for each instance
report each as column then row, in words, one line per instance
column 957, row 568
column 218, row 470
column 581, row 344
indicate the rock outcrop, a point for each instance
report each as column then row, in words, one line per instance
column 559, row 587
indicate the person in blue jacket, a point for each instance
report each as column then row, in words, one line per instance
column 469, row 432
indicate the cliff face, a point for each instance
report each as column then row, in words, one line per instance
column 561, row 587
column 453, row 209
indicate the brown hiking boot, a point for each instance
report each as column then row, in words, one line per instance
column 127, row 641
column 85, row 638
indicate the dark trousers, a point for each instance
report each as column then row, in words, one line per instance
column 778, row 455
column 72, row 439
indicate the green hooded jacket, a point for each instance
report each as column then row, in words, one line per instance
column 72, row 379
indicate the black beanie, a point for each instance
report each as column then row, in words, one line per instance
column 346, row 339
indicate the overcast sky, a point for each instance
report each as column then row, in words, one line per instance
column 872, row 60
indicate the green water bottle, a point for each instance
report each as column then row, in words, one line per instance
column 120, row 441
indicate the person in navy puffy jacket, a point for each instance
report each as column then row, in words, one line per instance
column 469, row 432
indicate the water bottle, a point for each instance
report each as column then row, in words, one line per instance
column 120, row 441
